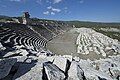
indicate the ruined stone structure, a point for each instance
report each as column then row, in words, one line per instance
column 26, row 18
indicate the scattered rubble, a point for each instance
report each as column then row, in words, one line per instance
column 25, row 64
column 58, row 68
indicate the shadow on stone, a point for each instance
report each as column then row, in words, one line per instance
column 23, row 69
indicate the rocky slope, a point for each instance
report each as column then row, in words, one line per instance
column 24, row 56
column 90, row 41
column 53, row 67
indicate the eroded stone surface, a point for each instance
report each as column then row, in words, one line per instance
column 61, row 63
column 53, row 72
column 5, row 66
column 75, row 72
column 34, row 72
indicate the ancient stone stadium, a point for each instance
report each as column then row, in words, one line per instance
column 39, row 49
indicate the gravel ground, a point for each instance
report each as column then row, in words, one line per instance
column 65, row 45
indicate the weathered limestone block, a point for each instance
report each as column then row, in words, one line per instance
column 61, row 63
column 20, row 58
column 19, row 47
column 75, row 72
column 69, row 57
column 2, row 47
column 53, row 72
column 24, row 52
column 50, row 58
column 91, row 73
column 5, row 66
column 9, row 54
column 29, row 72
column 76, row 58
column 20, row 52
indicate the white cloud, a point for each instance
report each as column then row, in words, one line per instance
column 53, row 9
column 48, row 1
column 50, row 7
column 57, row 1
column 56, row 10
column 16, row 0
column 46, row 13
column 81, row 1
column 52, row 13
column 39, row 1
column 65, row 8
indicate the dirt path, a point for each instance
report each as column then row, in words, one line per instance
column 63, row 44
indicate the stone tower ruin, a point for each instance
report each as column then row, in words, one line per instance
column 26, row 18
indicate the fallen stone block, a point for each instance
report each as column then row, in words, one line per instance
column 20, row 58
column 69, row 57
column 53, row 72
column 75, row 72
column 76, row 58
column 19, row 47
column 24, row 52
column 50, row 58
column 61, row 63
column 1, row 45
column 10, row 54
column 29, row 72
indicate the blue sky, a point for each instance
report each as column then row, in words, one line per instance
column 83, row 10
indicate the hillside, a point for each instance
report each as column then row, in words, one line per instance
column 110, row 29
column 36, row 34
